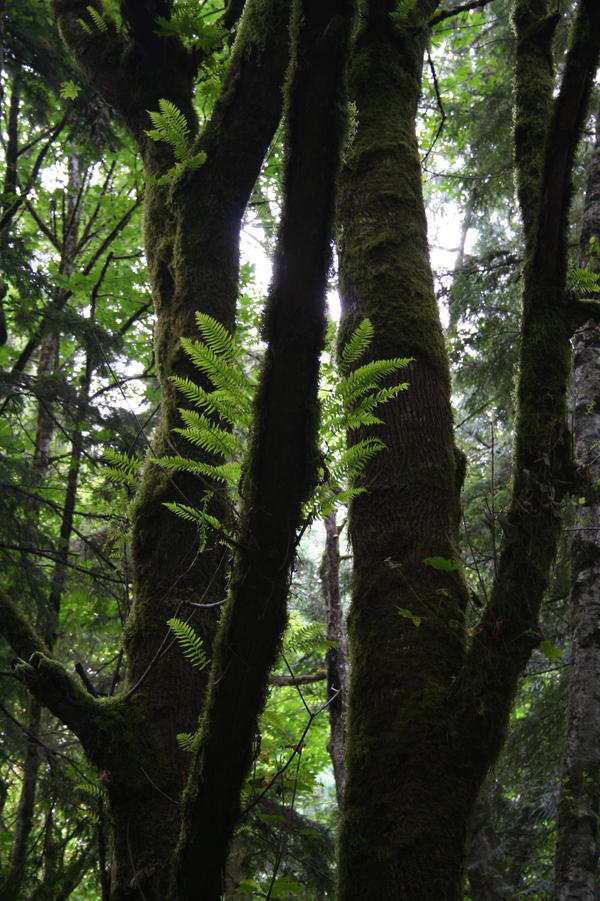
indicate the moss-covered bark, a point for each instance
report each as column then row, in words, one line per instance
column 577, row 848
column 283, row 458
column 191, row 237
column 427, row 714
column 397, row 835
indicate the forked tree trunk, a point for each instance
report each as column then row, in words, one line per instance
column 427, row 710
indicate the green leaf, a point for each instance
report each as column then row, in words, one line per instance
column 356, row 345
column 547, row 648
column 69, row 90
column 97, row 18
column 284, row 886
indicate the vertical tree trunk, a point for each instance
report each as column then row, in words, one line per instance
column 283, row 456
column 191, row 236
column 427, row 713
column 399, row 738
column 336, row 657
column 576, row 871
column 12, row 883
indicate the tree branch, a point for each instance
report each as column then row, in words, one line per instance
column 450, row 13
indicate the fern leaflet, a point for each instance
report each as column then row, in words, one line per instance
column 189, row 642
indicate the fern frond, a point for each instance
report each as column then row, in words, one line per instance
column 170, row 126
column 189, row 642
column 231, row 407
column 121, row 469
column 220, row 372
column 186, row 740
column 364, row 379
column 303, row 638
column 225, row 473
column 97, row 18
column 361, row 414
column 355, row 458
column 216, row 336
column 356, row 345
column 203, row 433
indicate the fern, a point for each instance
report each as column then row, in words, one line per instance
column 304, row 638
column 122, row 469
column 403, row 8
column 224, row 473
column 189, row 642
column 186, row 741
column 356, row 345
column 97, row 18
column 349, row 399
column 203, row 433
column 171, row 127
column 364, row 380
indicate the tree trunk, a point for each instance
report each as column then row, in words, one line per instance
column 283, row 455
column 398, row 797
column 336, row 657
column 12, row 883
column 191, row 236
column 579, row 803
column 427, row 710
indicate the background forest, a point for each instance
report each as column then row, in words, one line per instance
column 80, row 392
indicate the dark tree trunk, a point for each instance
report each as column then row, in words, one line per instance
column 337, row 657
column 283, row 456
column 576, row 872
column 427, row 712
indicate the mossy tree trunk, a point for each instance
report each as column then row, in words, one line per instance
column 577, row 847
column 191, row 235
column 428, row 709
column 283, row 456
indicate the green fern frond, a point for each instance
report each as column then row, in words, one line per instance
column 189, row 642
column 170, row 126
column 121, row 469
column 366, row 378
column 355, row 458
column 216, row 336
column 186, row 740
column 357, row 344
column 218, row 369
column 97, row 18
column 403, row 7
column 303, row 638
column 225, row 473
column 231, row 407
column 361, row 414
column 203, row 433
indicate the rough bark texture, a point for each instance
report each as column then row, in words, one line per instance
column 427, row 716
column 337, row 657
column 398, row 837
column 191, row 235
column 579, row 803
column 283, row 456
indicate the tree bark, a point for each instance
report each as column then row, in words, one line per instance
column 428, row 710
column 191, row 234
column 576, row 870
column 283, row 456
column 336, row 657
